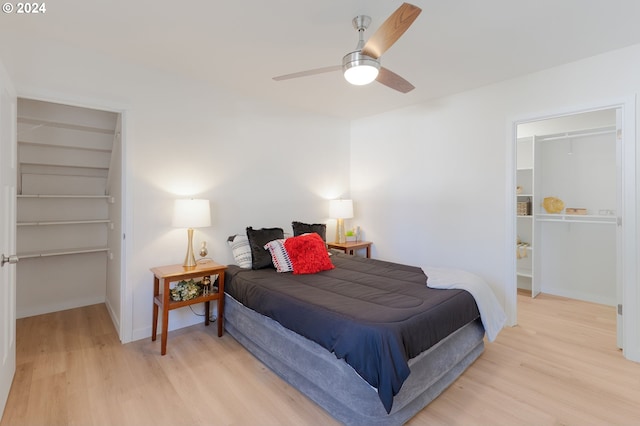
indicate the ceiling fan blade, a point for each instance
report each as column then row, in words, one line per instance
column 394, row 81
column 391, row 30
column 308, row 72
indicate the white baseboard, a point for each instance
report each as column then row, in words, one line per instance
column 114, row 318
column 178, row 319
column 586, row 297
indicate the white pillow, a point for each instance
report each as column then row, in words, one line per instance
column 279, row 256
column 241, row 250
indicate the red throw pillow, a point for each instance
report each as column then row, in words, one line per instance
column 308, row 254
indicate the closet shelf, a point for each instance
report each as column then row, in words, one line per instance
column 63, row 222
column 577, row 134
column 33, row 255
column 571, row 218
column 525, row 273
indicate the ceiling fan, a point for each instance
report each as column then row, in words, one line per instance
column 362, row 66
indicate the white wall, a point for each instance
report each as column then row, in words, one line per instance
column 431, row 181
column 578, row 260
column 258, row 163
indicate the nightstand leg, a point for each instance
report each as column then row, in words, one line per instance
column 165, row 325
column 221, row 304
column 220, row 316
column 165, row 316
column 154, row 327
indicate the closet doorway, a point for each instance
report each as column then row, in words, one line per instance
column 69, row 208
column 572, row 239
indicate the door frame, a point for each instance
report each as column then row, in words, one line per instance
column 630, row 292
column 8, row 244
column 124, row 324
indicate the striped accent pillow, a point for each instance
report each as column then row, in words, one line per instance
column 279, row 255
column 241, row 250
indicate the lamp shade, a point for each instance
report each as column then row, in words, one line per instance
column 341, row 209
column 191, row 213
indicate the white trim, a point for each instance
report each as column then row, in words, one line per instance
column 631, row 255
column 37, row 94
column 630, row 293
column 126, row 289
column 511, row 278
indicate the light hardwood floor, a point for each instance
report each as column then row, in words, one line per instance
column 558, row 366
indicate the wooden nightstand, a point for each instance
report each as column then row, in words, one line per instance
column 350, row 247
column 174, row 273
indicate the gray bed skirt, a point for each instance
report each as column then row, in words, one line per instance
column 334, row 385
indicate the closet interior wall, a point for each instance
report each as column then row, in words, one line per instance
column 63, row 205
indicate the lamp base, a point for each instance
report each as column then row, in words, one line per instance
column 190, row 258
column 340, row 234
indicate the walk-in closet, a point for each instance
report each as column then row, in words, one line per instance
column 68, row 207
column 568, row 206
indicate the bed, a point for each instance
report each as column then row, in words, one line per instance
column 366, row 340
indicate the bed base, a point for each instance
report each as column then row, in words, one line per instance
column 334, row 385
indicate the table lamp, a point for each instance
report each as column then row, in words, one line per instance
column 191, row 213
column 340, row 210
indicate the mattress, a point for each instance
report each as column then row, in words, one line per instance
column 334, row 385
column 372, row 314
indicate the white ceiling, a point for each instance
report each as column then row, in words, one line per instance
column 454, row 45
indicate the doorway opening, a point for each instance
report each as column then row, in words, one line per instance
column 567, row 203
column 574, row 174
column 69, row 208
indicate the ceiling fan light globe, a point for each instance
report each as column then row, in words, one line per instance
column 361, row 74
column 360, row 69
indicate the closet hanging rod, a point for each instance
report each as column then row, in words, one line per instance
column 569, row 135
column 63, row 222
column 62, row 253
column 61, row 196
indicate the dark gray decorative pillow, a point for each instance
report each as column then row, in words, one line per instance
column 261, row 258
column 300, row 228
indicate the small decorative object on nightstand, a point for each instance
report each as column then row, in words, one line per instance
column 176, row 273
column 206, row 285
column 350, row 247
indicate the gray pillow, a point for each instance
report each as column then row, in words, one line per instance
column 300, row 228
